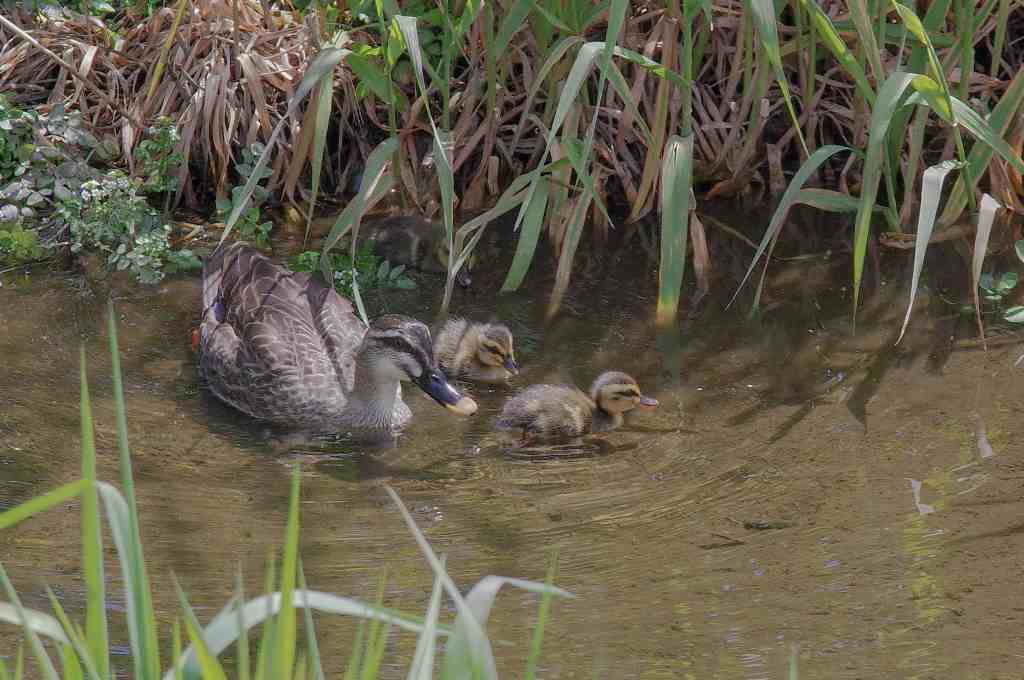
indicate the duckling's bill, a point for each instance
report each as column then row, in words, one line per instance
column 648, row 402
column 511, row 366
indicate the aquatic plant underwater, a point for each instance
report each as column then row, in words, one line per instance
column 284, row 650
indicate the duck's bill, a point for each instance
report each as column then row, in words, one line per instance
column 511, row 366
column 441, row 391
column 648, row 402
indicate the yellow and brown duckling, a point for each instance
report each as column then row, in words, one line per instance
column 564, row 412
column 476, row 351
column 415, row 242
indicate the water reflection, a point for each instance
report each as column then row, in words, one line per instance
column 764, row 505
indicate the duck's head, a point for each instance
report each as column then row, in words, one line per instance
column 615, row 392
column 443, row 255
column 494, row 348
column 401, row 346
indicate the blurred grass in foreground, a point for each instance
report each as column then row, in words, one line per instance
column 284, row 651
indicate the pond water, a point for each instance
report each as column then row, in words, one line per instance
column 803, row 493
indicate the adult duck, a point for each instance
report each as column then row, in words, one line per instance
column 284, row 347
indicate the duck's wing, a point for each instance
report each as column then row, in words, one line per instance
column 271, row 336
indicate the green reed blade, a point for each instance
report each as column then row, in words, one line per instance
column 888, row 101
column 78, row 643
column 676, row 189
column 71, row 669
column 986, row 215
column 542, row 617
column 324, row 103
column 208, row 664
column 176, row 652
column 92, row 540
column 422, row 667
column 931, row 193
column 312, row 647
column 570, row 243
column 50, row 499
column 831, row 39
column 321, row 66
column 284, row 657
column 764, row 18
column 513, row 20
column 242, row 639
column 29, row 622
column 809, row 167
column 266, row 651
column 829, row 200
column 999, row 122
column 532, row 224
column 41, row 622
column 472, row 633
column 138, row 596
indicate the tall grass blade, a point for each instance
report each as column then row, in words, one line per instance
column 764, row 17
column 176, row 651
column 223, row 630
column 478, row 648
column 986, row 215
column 324, row 102
column 284, row 657
column 1002, row 116
column 208, row 664
column 479, row 601
column 242, row 639
column 92, row 541
column 50, row 499
column 40, row 622
column 320, row 67
column 422, row 667
column 569, row 245
column 542, row 616
column 138, row 597
column 312, row 647
column 514, row 19
column 533, row 221
column 835, row 44
column 809, row 167
column 676, row 187
column 266, row 650
column 71, row 669
column 888, row 101
column 77, row 642
column 30, row 622
column 931, row 193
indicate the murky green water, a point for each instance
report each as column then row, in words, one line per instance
column 767, row 508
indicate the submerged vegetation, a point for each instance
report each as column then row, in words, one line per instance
column 560, row 110
column 285, row 650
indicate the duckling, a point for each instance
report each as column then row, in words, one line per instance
column 285, row 348
column 414, row 242
column 477, row 351
column 561, row 412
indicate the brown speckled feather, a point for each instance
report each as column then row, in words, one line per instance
column 277, row 345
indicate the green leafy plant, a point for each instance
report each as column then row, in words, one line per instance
column 158, row 157
column 285, row 650
column 248, row 224
column 18, row 245
column 110, row 216
column 371, row 270
column 994, row 291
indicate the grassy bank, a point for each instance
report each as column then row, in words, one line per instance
column 287, row 642
column 560, row 110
